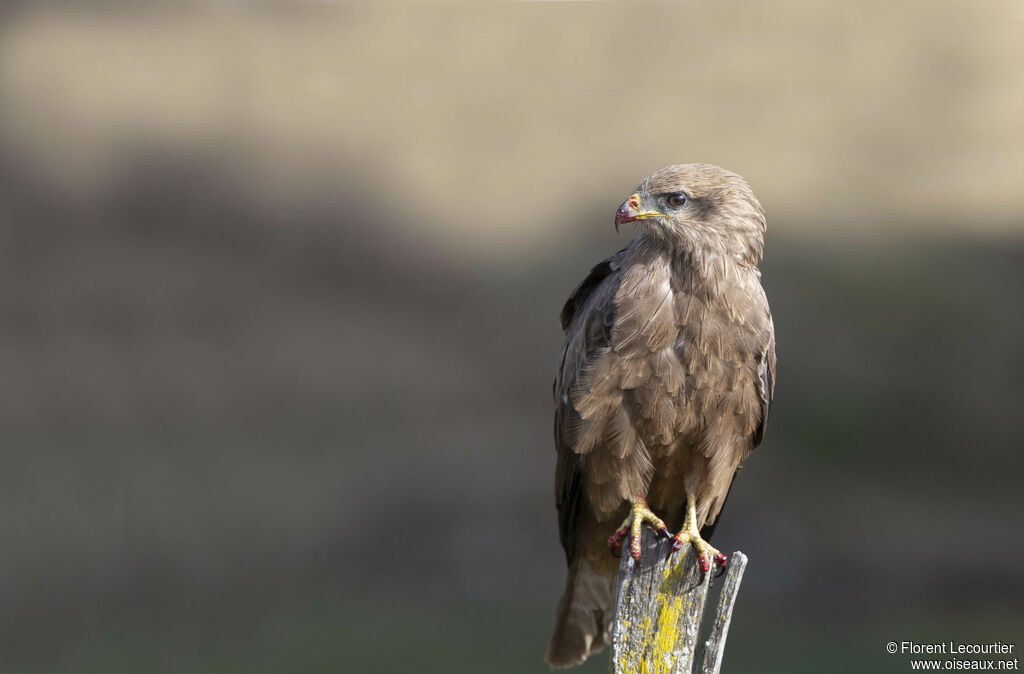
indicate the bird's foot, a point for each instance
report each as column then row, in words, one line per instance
column 639, row 514
column 705, row 552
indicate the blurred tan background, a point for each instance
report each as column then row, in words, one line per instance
column 280, row 286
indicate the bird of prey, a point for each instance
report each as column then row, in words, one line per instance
column 663, row 387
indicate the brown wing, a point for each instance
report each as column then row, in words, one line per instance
column 765, row 391
column 587, row 318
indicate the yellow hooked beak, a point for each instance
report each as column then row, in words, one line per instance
column 632, row 210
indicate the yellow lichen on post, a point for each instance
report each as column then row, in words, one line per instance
column 670, row 615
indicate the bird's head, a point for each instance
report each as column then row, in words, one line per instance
column 698, row 208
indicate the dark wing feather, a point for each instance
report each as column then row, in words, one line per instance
column 587, row 318
column 580, row 294
column 766, row 388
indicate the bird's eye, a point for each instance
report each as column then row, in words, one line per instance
column 676, row 200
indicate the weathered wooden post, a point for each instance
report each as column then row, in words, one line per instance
column 659, row 609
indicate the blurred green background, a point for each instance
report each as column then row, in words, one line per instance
column 280, row 286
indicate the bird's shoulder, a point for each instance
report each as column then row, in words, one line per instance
column 606, row 269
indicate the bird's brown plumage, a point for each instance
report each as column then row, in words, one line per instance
column 665, row 379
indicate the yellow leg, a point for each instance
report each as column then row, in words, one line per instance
column 691, row 534
column 638, row 514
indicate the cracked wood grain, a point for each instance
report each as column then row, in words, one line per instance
column 659, row 611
